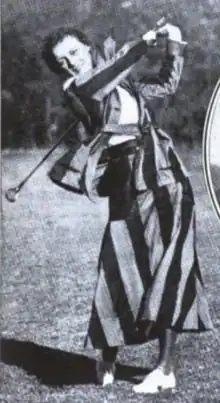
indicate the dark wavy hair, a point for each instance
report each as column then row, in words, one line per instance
column 53, row 39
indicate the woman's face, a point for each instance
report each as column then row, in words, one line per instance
column 73, row 55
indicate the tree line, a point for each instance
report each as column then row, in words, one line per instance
column 31, row 116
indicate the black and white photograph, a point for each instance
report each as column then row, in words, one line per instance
column 110, row 189
column 211, row 148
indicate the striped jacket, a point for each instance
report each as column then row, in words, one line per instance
column 80, row 168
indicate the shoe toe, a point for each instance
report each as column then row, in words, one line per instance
column 156, row 382
column 108, row 379
column 105, row 373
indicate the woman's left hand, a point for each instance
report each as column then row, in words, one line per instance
column 150, row 37
column 173, row 32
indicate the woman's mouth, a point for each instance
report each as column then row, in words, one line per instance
column 75, row 69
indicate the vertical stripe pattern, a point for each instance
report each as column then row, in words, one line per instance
column 148, row 266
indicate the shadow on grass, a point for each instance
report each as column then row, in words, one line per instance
column 57, row 367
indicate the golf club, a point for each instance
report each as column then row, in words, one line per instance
column 13, row 193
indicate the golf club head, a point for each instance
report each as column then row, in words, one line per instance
column 12, row 194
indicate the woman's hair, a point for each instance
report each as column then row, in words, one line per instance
column 53, row 39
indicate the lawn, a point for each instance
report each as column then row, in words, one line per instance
column 51, row 241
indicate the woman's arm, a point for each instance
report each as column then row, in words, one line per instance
column 75, row 104
column 167, row 80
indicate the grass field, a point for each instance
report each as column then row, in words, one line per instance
column 51, row 241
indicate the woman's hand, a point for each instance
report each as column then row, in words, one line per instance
column 150, row 37
column 174, row 33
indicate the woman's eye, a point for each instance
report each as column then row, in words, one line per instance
column 72, row 52
column 63, row 63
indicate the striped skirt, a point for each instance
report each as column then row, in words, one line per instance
column 148, row 271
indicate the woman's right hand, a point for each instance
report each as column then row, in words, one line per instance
column 173, row 32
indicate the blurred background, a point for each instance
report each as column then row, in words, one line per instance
column 32, row 110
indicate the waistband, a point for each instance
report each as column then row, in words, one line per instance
column 119, row 150
column 128, row 129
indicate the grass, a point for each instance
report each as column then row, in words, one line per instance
column 51, row 241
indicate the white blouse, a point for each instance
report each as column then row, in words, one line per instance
column 129, row 115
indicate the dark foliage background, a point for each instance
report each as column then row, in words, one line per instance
column 31, row 104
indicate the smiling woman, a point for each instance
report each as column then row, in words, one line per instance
column 73, row 56
column 65, row 47
column 149, row 283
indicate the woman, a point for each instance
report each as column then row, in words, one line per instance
column 149, row 283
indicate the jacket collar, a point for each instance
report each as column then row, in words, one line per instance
column 104, row 52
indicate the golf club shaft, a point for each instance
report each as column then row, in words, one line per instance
column 22, row 183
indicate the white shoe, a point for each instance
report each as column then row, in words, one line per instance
column 155, row 382
column 105, row 372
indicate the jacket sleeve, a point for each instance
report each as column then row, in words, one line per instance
column 166, row 81
column 76, row 106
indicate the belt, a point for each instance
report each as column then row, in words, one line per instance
column 119, row 150
column 114, row 128
column 100, row 154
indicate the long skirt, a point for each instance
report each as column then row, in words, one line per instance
column 148, row 269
